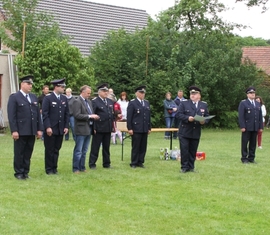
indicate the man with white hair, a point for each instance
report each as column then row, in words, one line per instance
column 103, row 107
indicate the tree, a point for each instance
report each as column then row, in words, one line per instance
column 48, row 54
column 54, row 60
column 252, row 3
column 38, row 24
column 250, row 41
column 185, row 46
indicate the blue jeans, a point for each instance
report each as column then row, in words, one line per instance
column 71, row 124
column 79, row 152
column 169, row 122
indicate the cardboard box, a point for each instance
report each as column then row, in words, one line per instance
column 200, row 156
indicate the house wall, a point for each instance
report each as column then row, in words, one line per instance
column 6, row 77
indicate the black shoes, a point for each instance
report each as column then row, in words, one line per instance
column 187, row 170
column 184, row 170
column 20, row 177
column 247, row 162
column 134, row 166
column 107, row 167
column 26, row 176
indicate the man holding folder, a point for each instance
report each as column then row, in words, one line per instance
column 190, row 128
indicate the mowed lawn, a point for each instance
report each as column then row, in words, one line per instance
column 223, row 197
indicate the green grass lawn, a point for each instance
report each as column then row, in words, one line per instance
column 223, row 197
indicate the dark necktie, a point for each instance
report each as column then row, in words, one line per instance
column 28, row 98
column 142, row 103
column 88, row 107
column 105, row 101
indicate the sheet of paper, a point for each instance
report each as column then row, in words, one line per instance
column 201, row 119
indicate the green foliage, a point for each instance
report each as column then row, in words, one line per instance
column 197, row 15
column 53, row 60
column 38, row 25
column 252, row 3
column 186, row 46
column 250, row 41
column 48, row 54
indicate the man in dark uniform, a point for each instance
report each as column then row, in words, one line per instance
column 250, row 122
column 139, row 126
column 55, row 120
column 190, row 129
column 25, row 123
column 103, row 127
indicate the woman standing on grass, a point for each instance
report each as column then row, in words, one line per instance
column 259, row 99
column 123, row 101
column 170, row 109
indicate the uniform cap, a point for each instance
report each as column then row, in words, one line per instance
column 59, row 82
column 103, row 86
column 141, row 89
column 194, row 89
column 250, row 89
column 28, row 79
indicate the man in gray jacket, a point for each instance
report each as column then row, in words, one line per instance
column 84, row 118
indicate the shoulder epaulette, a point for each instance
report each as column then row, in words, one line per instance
column 184, row 100
column 204, row 102
column 132, row 99
column 94, row 98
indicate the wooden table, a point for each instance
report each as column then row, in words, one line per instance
column 122, row 126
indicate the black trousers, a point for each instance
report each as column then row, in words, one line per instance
column 139, row 146
column 52, row 146
column 23, row 149
column 188, row 148
column 248, row 145
column 98, row 139
column 176, row 125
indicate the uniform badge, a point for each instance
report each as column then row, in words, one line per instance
column 53, row 102
column 138, row 111
column 202, row 110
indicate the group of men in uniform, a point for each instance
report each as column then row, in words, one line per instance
column 96, row 118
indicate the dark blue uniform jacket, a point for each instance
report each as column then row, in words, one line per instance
column 138, row 116
column 24, row 117
column 55, row 113
column 250, row 117
column 186, row 109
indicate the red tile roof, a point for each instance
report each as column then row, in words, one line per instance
column 258, row 55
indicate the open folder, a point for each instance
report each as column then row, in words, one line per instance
column 201, row 118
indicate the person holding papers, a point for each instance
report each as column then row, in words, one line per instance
column 190, row 127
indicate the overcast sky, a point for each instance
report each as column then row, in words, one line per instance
column 257, row 21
